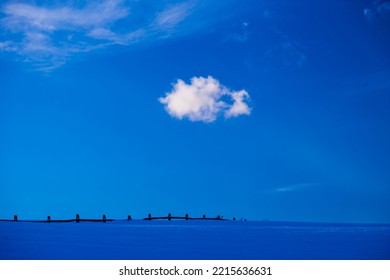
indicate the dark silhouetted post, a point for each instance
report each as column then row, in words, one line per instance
column 169, row 216
column 129, row 217
column 15, row 218
column 104, row 218
column 186, row 216
column 218, row 217
column 77, row 218
column 204, row 216
column 48, row 219
column 149, row 217
column 234, row 219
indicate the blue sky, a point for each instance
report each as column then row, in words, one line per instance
column 255, row 109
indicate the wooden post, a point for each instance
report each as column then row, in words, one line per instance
column 129, row 217
column 234, row 218
column 186, row 216
column 104, row 218
column 15, row 218
column 48, row 219
column 77, row 218
column 204, row 216
column 149, row 217
column 218, row 217
column 169, row 216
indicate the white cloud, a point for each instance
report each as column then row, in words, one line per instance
column 239, row 107
column 204, row 100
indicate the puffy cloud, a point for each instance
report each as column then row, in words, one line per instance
column 239, row 107
column 204, row 99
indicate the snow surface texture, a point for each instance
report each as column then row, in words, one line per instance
column 192, row 240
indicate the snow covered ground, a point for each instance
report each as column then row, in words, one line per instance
column 138, row 239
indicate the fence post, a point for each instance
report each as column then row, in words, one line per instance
column 204, row 216
column 77, row 218
column 104, row 218
column 15, row 218
column 48, row 219
column 169, row 216
column 149, row 217
column 186, row 216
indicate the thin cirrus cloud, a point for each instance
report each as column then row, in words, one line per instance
column 204, row 99
column 295, row 187
column 48, row 35
column 290, row 188
column 379, row 9
column 173, row 15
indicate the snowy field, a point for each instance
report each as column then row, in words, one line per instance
column 193, row 240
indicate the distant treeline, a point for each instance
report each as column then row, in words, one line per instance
column 104, row 219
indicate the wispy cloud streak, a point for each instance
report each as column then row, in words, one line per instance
column 173, row 15
column 47, row 36
column 378, row 9
column 291, row 188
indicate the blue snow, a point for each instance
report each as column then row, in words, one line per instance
column 196, row 240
